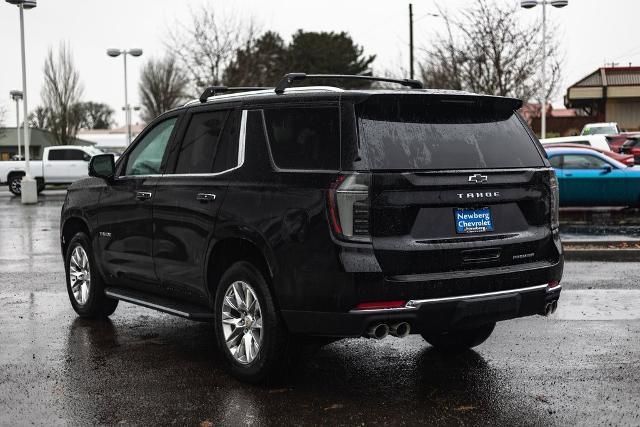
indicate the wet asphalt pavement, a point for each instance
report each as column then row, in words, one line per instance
column 579, row 366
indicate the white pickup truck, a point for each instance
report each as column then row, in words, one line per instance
column 61, row 164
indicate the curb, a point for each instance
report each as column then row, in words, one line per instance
column 611, row 255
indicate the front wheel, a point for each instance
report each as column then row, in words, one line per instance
column 15, row 184
column 459, row 340
column 249, row 331
column 84, row 285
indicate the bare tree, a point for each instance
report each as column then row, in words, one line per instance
column 206, row 46
column 39, row 118
column 163, row 86
column 61, row 94
column 487, row 49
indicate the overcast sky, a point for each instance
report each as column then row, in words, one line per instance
column 591, row 31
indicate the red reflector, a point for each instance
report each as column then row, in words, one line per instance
column 380, row 305
column 553, row 284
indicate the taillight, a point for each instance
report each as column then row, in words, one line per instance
column 348, row 207
column 555, row 200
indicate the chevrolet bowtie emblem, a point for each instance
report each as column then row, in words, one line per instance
column 477, row 178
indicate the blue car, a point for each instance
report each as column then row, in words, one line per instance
column 589, row 178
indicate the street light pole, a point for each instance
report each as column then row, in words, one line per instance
column 28, row 185
column 528, row 4
column 410, row 41
column 16, row 95
column 127, row 109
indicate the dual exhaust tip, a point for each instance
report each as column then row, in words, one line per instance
column 381, row 330
column 550, row 308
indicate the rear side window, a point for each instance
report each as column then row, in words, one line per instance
column 412, row 132
column 200, row 142
column 304, row 138
column 67, row 155
column 556, row 162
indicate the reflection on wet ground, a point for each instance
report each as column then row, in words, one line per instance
column 144, row 367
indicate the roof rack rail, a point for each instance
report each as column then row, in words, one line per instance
column 214, row 90
column 289, row 78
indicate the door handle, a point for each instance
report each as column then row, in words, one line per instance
column 143, row 195
column 206, row 197
column 568, row 174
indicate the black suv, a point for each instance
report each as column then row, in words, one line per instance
column 318, row 211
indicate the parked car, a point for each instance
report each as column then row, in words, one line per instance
column 17, row 157
column 632, row 147
column 615, row 141
column 318, row 211
column 627, row 159
column 62, row 164
column 610, row 128
column 596, row 141
column 589, row 178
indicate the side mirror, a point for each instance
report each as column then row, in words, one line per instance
column 102, row 166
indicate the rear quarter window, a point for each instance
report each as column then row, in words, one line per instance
column 304, row 137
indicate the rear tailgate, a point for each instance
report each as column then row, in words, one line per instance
column 429, row 222
column 457, row 183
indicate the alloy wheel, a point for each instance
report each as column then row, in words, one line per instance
column 80, row 275
column 16, row 185
column 242, row 322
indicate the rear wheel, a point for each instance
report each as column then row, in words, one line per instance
column 40, row 183
column 84, row 285
column 249, row 331
column 15, row 184
column 459, row 340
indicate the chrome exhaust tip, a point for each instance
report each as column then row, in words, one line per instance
column 400, row 329
column 379, row 331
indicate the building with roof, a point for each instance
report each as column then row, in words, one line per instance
column 40, row 138
column 110, row 140
column 609, row 94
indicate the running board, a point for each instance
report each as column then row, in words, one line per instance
column 166, row 305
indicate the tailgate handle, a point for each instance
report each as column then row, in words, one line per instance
column 480, row 255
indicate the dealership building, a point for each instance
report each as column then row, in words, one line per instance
column 609, row 94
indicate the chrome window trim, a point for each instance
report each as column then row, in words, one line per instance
column 241, row 152
column 415, row 304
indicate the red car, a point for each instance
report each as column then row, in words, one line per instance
column 632, row 147
column 627, row 159
column 616, row 141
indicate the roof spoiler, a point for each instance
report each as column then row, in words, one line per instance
column 289, row 78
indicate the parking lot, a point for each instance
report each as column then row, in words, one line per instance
column 579, row 366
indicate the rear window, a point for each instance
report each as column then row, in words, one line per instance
column 417, row 133
column 304, row 138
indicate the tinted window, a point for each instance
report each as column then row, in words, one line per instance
column 200, row 142
column 146, row 156
column 556, row 162
column 583, row 161
column 67, row 155
column 304, row 138
column 227, row 154
column 413, row 132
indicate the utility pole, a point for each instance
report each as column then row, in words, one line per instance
column 410, row 41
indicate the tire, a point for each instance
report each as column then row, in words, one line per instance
column 259, row 364
column 459, row 340
column 15, row 184
column 87, row 296
column 40, row 184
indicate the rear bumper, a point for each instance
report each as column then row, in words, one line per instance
column 429, row 314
